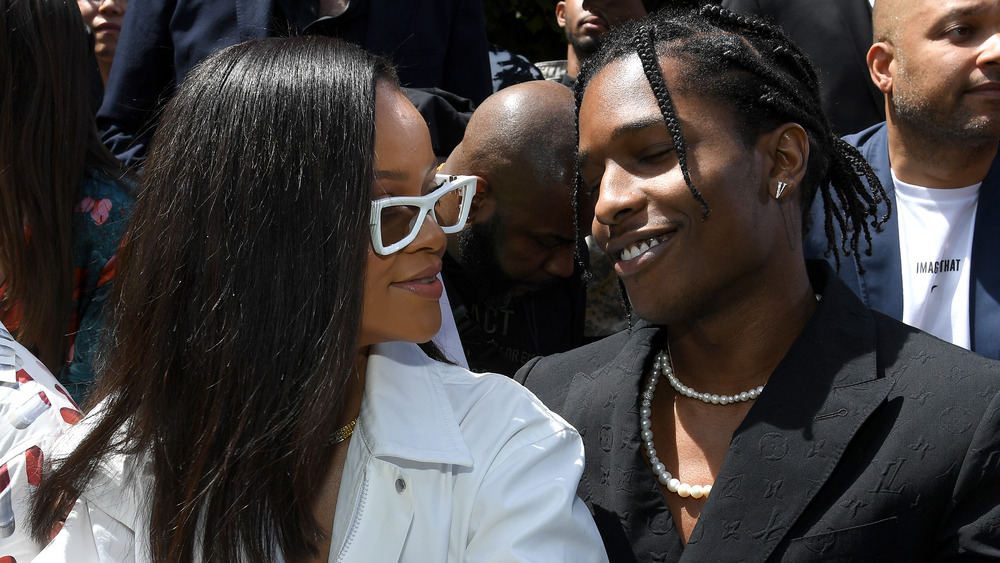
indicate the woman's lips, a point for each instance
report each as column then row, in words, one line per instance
column 424, row 283
column 427, row 288
column 108, row 28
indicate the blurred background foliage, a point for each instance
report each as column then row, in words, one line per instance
column 528, row 27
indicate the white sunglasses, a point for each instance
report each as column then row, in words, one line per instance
column 396, row 221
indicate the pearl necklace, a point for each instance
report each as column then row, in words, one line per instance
column 662, row 364
column 711, row 398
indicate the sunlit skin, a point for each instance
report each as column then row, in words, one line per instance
column 104, row 18
column 401, row 291
column 519, row 142
column 587, row 21
column 404, row 166
column 732, row 290
column 938, row 63
column 537, row 243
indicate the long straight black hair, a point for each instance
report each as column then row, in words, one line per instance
column 239, row 293
column 47, row 140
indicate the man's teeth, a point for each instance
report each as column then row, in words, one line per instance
column 426, row 280
column 637, row 249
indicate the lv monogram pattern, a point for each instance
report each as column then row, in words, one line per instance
column 871, row 442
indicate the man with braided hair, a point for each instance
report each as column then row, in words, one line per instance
column 756, row 410
column 935, row 266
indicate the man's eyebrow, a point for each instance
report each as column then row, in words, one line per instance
column 960, row 12
column 625, row 129
column 637, row 125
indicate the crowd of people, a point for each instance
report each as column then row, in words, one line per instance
column 342, row 281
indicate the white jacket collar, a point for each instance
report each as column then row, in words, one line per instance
column 401, row 381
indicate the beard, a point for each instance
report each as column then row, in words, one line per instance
column 477, row 253
column 584, row 44
column 938, row 118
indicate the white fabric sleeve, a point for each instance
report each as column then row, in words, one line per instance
column 527, row 508
column 90, row 536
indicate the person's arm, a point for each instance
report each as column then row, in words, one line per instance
column 527, row 508
column 99, row 224
column 142, row 75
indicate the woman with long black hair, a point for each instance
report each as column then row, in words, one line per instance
column 63, row 205
column 262, row 395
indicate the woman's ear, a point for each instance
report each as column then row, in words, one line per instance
column 788, row 147
column 483, row 203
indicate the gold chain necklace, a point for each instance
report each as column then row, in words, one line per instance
column 343, row 432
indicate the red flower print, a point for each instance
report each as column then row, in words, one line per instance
column 70, row 416
column 99, row 210
column 108, row 271
column 85, row 205
column 33, row 461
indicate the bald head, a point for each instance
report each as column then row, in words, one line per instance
column 522, row 137
column 521, row 232
column 891, row 16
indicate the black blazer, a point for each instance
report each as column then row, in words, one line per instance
column 881, row 286
column 872, row 441
column 836, row 35
column 434, row 43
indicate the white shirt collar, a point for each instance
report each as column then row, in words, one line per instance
column 406, row 412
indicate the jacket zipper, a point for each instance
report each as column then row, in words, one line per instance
column 355, row 520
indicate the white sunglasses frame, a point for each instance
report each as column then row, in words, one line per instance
column 426, row 203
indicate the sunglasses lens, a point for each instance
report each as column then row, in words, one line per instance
column 397, row 221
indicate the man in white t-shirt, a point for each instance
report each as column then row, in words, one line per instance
column 936, row 264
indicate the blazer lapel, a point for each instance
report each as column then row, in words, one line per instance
column 791, row 440
column 617, row 482
column 984, row 293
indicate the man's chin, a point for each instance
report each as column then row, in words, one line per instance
column 588, row 43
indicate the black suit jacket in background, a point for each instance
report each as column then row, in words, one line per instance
column 836, row 35
column 872, row 441
column 434, row 43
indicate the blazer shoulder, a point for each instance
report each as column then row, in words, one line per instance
column 550, row 378
column 863, row 138
column 920, row 361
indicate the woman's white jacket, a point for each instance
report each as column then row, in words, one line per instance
column 444, row 465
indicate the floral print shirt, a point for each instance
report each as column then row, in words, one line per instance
column 100, row 218
column 34, row 410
